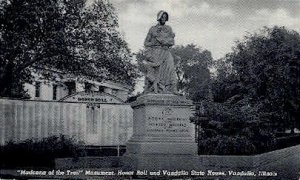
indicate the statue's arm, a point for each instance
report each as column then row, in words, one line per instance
column 148, row 40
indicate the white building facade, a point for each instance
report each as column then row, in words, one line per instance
column 48, row 90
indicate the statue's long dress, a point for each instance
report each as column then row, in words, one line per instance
column 161, row 62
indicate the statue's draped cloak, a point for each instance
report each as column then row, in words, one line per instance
column 160, row 62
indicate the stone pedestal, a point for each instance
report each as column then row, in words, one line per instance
column 163, row 137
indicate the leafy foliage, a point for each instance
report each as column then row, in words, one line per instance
column 256, row 94
column 192, row 69
column 39, row 153
column 234, row 129
column 106, row 48
column 63, row 35
column 267, row 66
column 30, row 31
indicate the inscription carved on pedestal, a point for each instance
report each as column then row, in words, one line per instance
column 168, row 122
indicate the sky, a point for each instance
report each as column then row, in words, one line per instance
column 214, row 25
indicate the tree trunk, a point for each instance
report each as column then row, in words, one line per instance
column 6, row 81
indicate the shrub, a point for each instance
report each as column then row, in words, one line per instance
column 226, row 145
column 39, row 153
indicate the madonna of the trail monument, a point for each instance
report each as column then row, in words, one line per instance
column 159, row 62
column 163, row 136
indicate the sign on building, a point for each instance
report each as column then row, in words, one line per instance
column 92, row 97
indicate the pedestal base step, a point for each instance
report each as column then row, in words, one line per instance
column 156, row 162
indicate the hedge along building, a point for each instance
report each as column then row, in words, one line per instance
column 86, row 110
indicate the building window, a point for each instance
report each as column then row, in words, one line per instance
column 101, row 88
column 54, row 92
column 87, row 86
column 71, row 87
column 37, row 89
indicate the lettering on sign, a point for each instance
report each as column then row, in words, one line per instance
column 92, row 97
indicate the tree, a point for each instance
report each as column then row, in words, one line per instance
column 225, row 84
column 192, row 69
column 60, row 34
column 256, row 94
column 30, row 32
column 267, row 65
column 107, row 49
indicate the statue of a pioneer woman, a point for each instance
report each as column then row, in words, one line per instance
column 159, row 62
